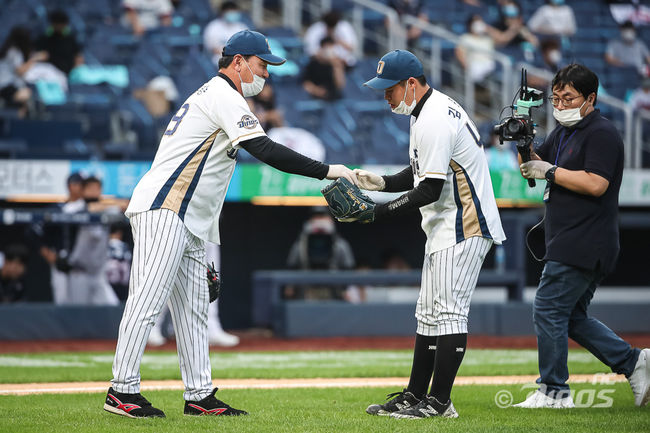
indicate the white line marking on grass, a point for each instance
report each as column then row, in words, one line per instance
column 356, row 382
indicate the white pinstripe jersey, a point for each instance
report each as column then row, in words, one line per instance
column 444, row 144
column 196, row 158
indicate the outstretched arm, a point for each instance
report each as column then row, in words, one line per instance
column 402, row 181
column 289, row 161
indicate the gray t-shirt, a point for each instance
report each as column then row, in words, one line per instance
column 633, row 54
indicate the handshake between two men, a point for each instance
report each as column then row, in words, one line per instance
column 346, row 201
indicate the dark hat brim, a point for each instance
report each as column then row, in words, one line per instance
column 380, row 83
column 272, row 59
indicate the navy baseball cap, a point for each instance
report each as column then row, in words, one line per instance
column 394, row 67
column 250, row 43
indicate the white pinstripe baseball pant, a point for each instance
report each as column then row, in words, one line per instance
column 168, row 265
column 448, row 281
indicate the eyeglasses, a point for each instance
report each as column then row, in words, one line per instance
column 566, row 102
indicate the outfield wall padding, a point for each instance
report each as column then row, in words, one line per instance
column 307, row 319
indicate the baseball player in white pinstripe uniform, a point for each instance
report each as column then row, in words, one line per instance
column 449, row 181
column 175, row 209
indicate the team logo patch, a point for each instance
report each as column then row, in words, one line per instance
column 248, row 122
column 380, row 67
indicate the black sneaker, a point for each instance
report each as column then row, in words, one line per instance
column 427, row 407
column 211, row 406
column 396, row 401
column 130, row 405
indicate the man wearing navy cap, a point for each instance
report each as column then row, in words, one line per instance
column 175, row 209
column 449, row 182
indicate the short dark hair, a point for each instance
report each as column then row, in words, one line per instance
column 75, row 177
column 16, row 252
column 471, row 19
column 225, row 61
column 58, row 16
column 579, row 77
column 421, row 79
column 229, row 6
column 91, row 179
column 332, row 18
column 549, row 44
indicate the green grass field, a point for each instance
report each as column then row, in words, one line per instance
column 60, row 367
column 310, row 410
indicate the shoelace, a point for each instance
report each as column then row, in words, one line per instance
column 395, row 394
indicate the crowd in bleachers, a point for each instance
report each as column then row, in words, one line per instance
column 83, row 79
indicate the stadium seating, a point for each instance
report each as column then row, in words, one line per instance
column 357, row 129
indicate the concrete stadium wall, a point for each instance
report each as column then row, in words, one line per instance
column 306, row 319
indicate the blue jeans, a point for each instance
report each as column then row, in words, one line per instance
column 560, row 312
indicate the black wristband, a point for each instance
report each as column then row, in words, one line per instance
column 550, row 174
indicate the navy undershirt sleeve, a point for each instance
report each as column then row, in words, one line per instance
column 425, row 193
column 283, row 158
column 402, row 181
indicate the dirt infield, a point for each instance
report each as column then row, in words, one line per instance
column 358, row 382
column 253, row 341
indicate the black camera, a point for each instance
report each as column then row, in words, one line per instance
column 515, row 128
column 519, row 126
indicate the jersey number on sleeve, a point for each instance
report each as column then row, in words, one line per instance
column 177, row 119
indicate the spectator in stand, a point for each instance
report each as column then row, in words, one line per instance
column 16, row 58
column 219, row 30
column 551, row 61
column 265, row 108
column 12, row 268
column 413, row 8
column 144, row 15
column 339, row 31
column 640, row 99
column 551, row 55
column 60, row 43
column 512, row 24
column 473, row 50
column 628, row 50
column 555, row 18
column 324, row 76
column 272, row 120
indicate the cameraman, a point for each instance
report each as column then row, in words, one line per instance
column 319, row 247
column 582, row 161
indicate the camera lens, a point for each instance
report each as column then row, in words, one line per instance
column 515, row 126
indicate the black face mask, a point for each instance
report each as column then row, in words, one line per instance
column 91, row 199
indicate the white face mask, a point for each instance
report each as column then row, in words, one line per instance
column 402, row 108
column 555, row 57
column 254, row 88
column 568, row 117
column 478, row 27
column 628, row 35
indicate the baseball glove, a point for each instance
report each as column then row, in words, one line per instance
column 214, row 284
column 347, row 203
